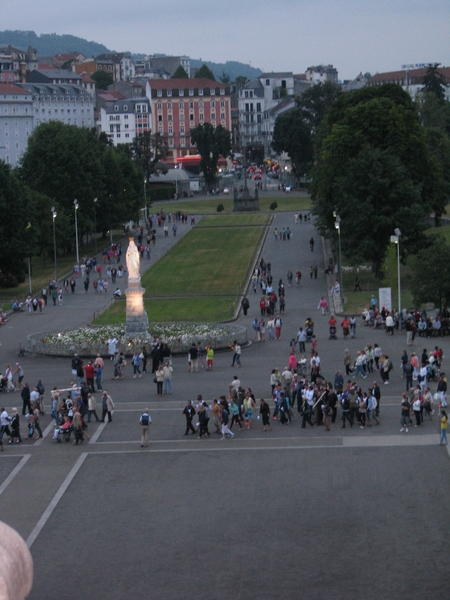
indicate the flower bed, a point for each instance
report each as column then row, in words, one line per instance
column 90, row 341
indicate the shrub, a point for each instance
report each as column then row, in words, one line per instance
column 220, row 208
column 273, row 206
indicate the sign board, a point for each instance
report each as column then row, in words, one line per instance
column 385, row 296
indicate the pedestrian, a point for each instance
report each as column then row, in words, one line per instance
column 20, row 375
column 5, row 421
column 237, row 354
column 107, row 406
column 25, row 395
column 159, row 380
column 224, row 418
column 136, row 362
column 144, row 358
column 193, row 352
column 145, row 421
column 15, row 427
column 245, row 305
column 203, row 418
column 405, row 408
column 167, row 378
column 444, row 421
column 92, row 408
column 264, row 411
column 209, row 358
column 278, row 323
column 189, row 413
column 216, row 415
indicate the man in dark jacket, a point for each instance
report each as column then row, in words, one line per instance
column 25, row 394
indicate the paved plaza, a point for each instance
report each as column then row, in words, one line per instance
column 291, row 513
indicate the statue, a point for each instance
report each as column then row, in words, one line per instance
column 133, row 261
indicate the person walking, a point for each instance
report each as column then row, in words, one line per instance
column 107, row 406
column 444, row 421
column 264, row 411
column 237, row 354
column 405, row 408
column 136, row 362
column 15, row 427
column 92, row 408
column 189, row 412
column 167, row 378
column 26, row 395
column 145, row 421
column 159, row 379
column 224, row 418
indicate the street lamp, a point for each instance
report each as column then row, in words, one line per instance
column 395, row 239
column 76, row 205
column 29, row 262
column 95, row 224
column 337, row 224
column 54, row 240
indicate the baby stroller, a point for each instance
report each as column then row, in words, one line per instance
column 333, row 332
column 309, row 333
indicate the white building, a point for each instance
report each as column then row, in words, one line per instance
column 123, row 120
column 16, row 121
column 322, row 73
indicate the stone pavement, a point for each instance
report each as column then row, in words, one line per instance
column 282, row 513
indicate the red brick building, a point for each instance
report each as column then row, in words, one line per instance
column 179, row 105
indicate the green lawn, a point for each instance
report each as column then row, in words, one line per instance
column 206, row 261
column 207, row 309
column 235, row 220
column 209, row 205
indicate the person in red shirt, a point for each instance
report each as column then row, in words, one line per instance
column 89, row 371
column 345, row 327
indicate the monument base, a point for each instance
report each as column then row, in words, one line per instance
column 136, row 318
column 245, row 202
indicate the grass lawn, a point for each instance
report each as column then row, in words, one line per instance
column 235, row 220
column 209, row 205
column 208, row 309
column 206, row 261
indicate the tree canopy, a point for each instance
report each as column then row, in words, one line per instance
column 205, row 72
column 148, row 151
column 180, row 73
column 373, row 166
column 211, row 144
column 431, row 274
column 292, row 134
column 102, row 79
column 316, row 100
column 434, row 82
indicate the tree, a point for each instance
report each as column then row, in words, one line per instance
column 211, row 144
column 373, row 165
column 148, row 150
column 434, row 82
column 15, row 216
column 431, row 274
column 316, row 100
column 225, row 78
column 241, row 81
column 180, row 73
column 205, row 73
column 102, row 79
column 292, row 134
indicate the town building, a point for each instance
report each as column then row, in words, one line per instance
column 16, row 121
column 179, row 105
column 16, row 63
column 321, row 74
column 118, row 64
column 54, row 76
column 164, row 66
column 410, row 79
column 125, row 119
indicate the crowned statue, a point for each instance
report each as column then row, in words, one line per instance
column 133, row 261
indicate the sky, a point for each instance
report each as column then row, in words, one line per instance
column 282, row 35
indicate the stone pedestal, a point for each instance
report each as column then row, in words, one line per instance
column 245, row 202
column 136, row 317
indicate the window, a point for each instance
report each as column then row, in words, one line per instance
column 169, row 92
column 200, row 104
column 246, row 94
column 116, row 108
column 170, row 130
column 191, row 105
column 258, row 107
column 181, row 105
column 222, row 103
column 127, row 135
column 191, row 117
column 200, row 116
column 126, row 126
column 181, row 92
column 182, row 129
column 159, row 118
column 182, row 117
column 222, row 91
column 213, row 104
column 213, row 116
column 160, row 129
column 169, row 117
column 159, row 105
column 267, row 81
column 200, row 91
column 159, row 93
column 222, row 116
column 212, row 91
column 182, row 142
column 125, row 107
column 191, row 92
column 169, row 105
column 111, row 128
column 170, row 142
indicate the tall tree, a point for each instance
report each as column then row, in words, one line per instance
column 180, row 73
column 102, row 79
column 240, row 81
column 372, row 163
column 431, row 274
column 316, row 100
column 205, row 73
column 225, row 78
column 15, row 215
column 211, row 144
column 148, row 151
column 292, row 134
column 434, row 82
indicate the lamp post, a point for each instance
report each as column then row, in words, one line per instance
column 95, row 224
column 76, row 205
column 395, row 239
column 29, row 263
column 54, row 240
column 337, row 224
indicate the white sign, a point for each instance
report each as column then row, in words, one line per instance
column 385, row 295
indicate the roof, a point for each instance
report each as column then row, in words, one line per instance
column 64, row 89
column 11, row 88
column 59, row 74
column 67, row 56
column 413, row 74
column 114, row 57
column 126, row 105
column 276, row 75
column 171, row 84
column 109, row 96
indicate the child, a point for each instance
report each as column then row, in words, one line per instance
column 313, row 342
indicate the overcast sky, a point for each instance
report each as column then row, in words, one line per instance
column 279, row 35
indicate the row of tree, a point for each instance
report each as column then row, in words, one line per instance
column 376, row 157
